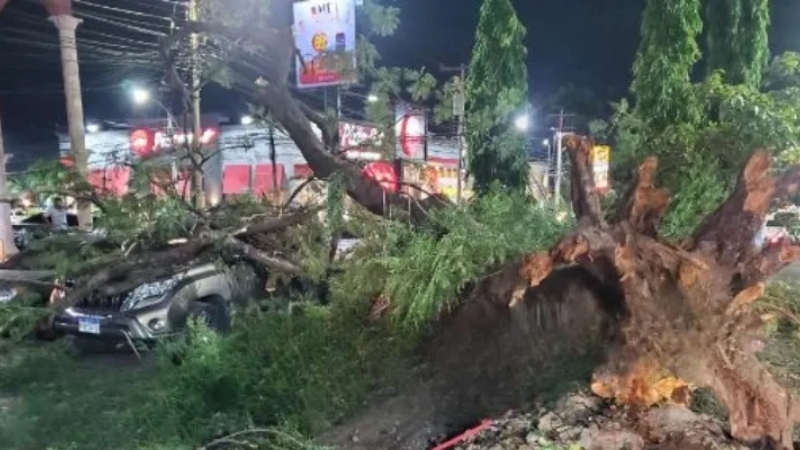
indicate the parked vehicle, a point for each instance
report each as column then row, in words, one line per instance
column 36, row 227
column 162, row 307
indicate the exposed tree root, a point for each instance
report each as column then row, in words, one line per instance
column 650, row 318
column 686, row 308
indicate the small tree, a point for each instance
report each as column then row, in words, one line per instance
column 737, row 39
column 667, row 53
column 496, row 90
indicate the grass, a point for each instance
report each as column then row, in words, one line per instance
column 59, row 402
column 285, row 376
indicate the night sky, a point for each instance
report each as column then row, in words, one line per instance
column 589, row 43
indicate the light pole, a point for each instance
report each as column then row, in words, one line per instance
column 141, row 97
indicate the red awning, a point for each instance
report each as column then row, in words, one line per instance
column 303, row 171
column 384, row 173
column 264, row 180
column 236, row 179
column 111, row 180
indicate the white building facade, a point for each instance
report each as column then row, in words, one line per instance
column 242, row 161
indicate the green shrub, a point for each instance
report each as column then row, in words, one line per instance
column 426, row 272
column 307, row 370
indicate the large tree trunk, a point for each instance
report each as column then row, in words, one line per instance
column 645, row 316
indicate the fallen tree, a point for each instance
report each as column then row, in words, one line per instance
column 650, row 319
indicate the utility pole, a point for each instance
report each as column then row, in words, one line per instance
column 197, row 128
column 459, row 107
column 60, row 12
column 273, row 159
column 338, row 103
column 559, row 138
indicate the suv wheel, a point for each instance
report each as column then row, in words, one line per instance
column 213, row 312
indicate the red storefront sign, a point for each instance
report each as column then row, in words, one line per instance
column 384, row 173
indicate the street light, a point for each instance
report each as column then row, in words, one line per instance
column 522, row 122
column 247, row 120
column 92, row 128
column 372, row 98
column 140, row 96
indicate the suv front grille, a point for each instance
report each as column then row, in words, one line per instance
column 98, row 304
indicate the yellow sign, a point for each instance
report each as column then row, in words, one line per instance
column 601, row 154
column 319, row 42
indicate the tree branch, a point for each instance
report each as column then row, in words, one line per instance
column 276, row 224
column 23, row 276
column 728, row 234
column 646, row 204
column 254, row 254
column 585, row 199
column 165, row 261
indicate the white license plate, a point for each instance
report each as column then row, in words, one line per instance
column 89, row 325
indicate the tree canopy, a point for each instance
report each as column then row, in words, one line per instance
column 668, row 50
column 496, row 91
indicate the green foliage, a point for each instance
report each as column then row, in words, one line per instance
column 737, row 39
column 496, row 90
column 722, row 18
column 667, row 53
column 60, row 402
column 282, row 376
column 701, row 190
column 782, row 73
column 753, row 40
column 306, row 369
column 699, row 160
column 427, row 272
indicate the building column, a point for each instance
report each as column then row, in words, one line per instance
column 7, row 246
column 66, row 25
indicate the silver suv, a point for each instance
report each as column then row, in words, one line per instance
column 162, row 307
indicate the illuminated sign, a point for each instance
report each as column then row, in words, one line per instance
column 411, row 129
column 144, row 142
column 164, row 140
column 352, row 136
column 601, row 158
column 141, row 141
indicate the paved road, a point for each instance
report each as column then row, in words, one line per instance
column 790, row 274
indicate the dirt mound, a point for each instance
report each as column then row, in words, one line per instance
column 488, row 358
column 586, row 422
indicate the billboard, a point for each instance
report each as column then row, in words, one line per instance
column 325, row 38
column 435, row 178
column 411, row 130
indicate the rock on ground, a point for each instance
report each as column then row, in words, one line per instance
column 586, row 422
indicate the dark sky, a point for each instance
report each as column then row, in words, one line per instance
column 585, row 42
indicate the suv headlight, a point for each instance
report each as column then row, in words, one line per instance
column 6, row 295
column 147, row 294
